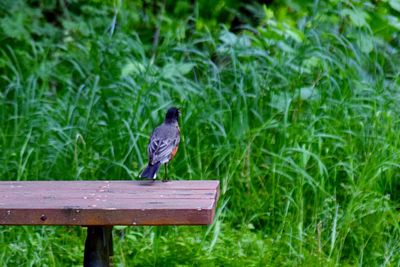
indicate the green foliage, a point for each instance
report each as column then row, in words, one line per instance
column 296, row 113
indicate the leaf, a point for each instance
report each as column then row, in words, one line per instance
column 185, row 68
column 395, row 4
column 297, row 35
column 310, row 64
column 308, row 93
column 269, row 14
column 132, row 67
column 394, row 22
column 13, row 27
column 365, row 42
column 285, row 47
column 172, row 70
column 357, row 16
column 280, row 101
column 228, row 38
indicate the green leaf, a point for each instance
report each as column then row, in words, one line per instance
column 357, row 16
column 268, row 13
column 185, row 68
column 228, row 38
column 280, row 101
column 297, row 35
column 172, row 70
column 395, row 4
column 308, row 93
column 311, row 63
column 394, row 22
column 13, row 27
column 132, row 67
column 365, row 42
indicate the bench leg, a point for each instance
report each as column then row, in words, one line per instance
column 98, row 247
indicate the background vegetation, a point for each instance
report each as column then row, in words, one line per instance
column 293, row 105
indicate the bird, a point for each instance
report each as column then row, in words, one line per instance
column 163, row 145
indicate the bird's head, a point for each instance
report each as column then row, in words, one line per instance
column 172, row 114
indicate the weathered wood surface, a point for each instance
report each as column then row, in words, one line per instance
column 108, row 202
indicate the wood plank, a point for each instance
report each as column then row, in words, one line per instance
column 108, row 202
column 52, row 194
column 90, row 185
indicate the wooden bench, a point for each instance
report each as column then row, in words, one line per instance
column 99, row 205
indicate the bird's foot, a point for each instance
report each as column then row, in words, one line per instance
column 165, row 180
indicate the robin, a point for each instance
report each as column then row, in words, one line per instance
column 163, row 145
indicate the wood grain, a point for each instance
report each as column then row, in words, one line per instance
column 108, row 202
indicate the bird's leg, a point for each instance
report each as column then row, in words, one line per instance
column 165, row 173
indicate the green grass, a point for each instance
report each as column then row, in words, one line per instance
column 299, row 122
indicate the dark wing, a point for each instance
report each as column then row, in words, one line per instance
column 160, row 147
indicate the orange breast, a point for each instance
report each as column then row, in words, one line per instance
column 174, row 151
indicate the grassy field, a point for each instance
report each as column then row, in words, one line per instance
column 297, row 115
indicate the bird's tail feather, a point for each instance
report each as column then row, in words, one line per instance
column 150, row 171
